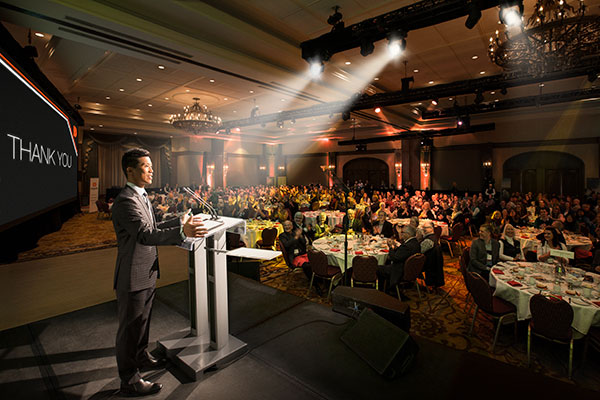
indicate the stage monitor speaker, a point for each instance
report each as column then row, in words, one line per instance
column 352, row 301
column 385, row 347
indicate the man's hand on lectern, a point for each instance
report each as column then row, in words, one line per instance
column 194, row 227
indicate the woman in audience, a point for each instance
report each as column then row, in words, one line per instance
column 382, row 226
column 510, row 248
column 426, row 212
column 550, row 241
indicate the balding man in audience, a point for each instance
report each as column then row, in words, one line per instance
column 399, row 254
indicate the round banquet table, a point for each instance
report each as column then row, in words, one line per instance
column 528, row 239
column 333, row 217
column 539, row 277
column 406, row 221
column 333, row 247
column 254, row 230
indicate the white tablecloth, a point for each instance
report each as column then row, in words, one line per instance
column 585, row 313
column 333, row 217
column 528, row 239
column 254, row 230
column 333, row 246
column 406, row 221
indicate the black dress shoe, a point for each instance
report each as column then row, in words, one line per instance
column 150, row 362
column 140, row 388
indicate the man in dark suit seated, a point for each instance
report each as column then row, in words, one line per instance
column 383, row 226
column 398, row 256
column 484, row 253
column 294, row 241
column 136, row 271
column 355, row 224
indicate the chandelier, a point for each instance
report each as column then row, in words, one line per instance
column 196, row 119
column 557, row 37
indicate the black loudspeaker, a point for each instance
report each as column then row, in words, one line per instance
column 385, row 347
column 352, row 301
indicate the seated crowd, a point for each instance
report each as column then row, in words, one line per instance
column 495, row 215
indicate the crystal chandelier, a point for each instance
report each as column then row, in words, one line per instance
column 557, row 37
column 196, row 119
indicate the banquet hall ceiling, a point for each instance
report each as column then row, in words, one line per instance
column 235, row 54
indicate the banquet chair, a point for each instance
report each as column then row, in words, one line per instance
column 492, row 306
column 437, row 233
column 233, row 241
column 413, row 270
column 287, row 260
column 103, row 209
column 364, row 271
column 321, row 269
column 551, row 319
column 455, row 238
column 267, row 240
column 463, row 262
column 593, row 337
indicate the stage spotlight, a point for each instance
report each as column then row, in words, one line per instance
column 511, row 14
column 474, row 14
column 396, row 44
column 346, row 115
column 503, row 91
column 316, row 68
column 377, row 110
column 366, row 47
column 478, row 97
column 406, row 83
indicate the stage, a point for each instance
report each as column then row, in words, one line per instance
column 294, row 352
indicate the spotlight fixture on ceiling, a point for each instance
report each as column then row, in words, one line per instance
column 377, row 110
column 396, row 43
column 366, row 47
column 504, row 91
column 474, row 14
column 478, row 97
column 316, row 68
column 196, row 119
column 511, row 12
column 335, row 19
column 345, row 115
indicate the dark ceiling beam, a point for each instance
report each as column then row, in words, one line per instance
column 412, row 17
column 470, row 86
column 431, row 133
column 508, row 104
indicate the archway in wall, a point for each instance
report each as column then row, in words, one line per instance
column 550, row 172
column 373, row 170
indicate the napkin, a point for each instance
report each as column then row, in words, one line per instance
column 597, row 303
column 384, row 251
column 497, row 271
column 358, row 252
column 556, row 296
column 514, row 283
column 334, row 249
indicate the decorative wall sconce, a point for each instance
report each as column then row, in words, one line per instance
column 425, row 158
column 398, row 167
column 425, row 168
column 262, row 167
column 487, row 164
column 281, row 168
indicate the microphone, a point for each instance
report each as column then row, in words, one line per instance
column 200, row 200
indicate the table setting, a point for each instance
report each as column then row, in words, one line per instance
column 528, row 238
column 406, row 221
column 254, row 228
column 518, row 281
column 367, row 245
column 333, row 217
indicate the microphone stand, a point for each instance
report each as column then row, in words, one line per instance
column 346, row 190
column 213, row 213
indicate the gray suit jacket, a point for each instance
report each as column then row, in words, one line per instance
column 137, row 238
column 478, row 262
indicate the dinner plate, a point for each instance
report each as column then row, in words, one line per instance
column 503, row 277
column 533, row 290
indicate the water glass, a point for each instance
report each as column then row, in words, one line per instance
column 587, row 292
column 531, row 280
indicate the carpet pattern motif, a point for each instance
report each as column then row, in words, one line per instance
column 448, row 323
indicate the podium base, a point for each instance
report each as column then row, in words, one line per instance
column 193, row 355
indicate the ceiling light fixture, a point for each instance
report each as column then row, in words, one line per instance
column 347, row 63
column 161, row 67
column 121, row 90
column 377, row 110
column 196, row 119
column 475, row 57
column 138, row 79
column 39, row 34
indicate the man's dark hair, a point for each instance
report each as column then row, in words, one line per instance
column 131, row 158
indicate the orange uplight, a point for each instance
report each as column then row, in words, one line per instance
column 378, row 110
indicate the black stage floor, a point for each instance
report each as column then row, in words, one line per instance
column 294, row 352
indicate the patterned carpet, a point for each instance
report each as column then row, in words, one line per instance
column 447, row 324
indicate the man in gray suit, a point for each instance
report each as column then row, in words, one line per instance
column 136, row 271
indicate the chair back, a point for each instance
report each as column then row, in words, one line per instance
column 437, row 233
column 102, row 206
column 233, row 241
column 284, row 253
column 551, row 317
column 413, row 267
column 268, row 236
column 364, row 268
column 481, row 291
column 464, row 260
column 457, row 231
column 318, row 262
